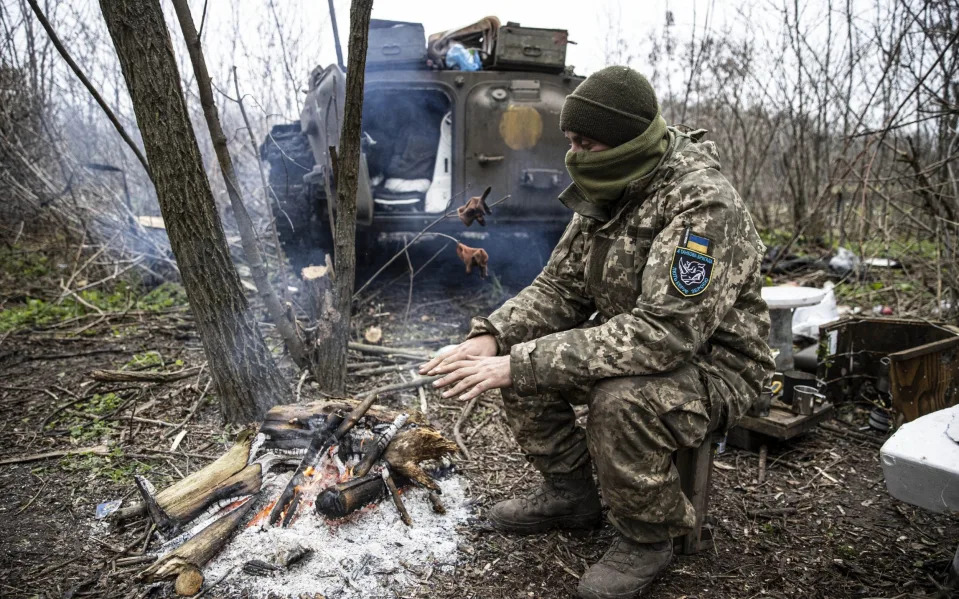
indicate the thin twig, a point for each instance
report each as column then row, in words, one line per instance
column 457, row 434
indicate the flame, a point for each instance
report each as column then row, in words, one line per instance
column 264, row 513
column 309, row 472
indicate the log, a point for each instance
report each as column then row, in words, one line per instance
column 379, row 446
column 164, row 523
column 343, row 499
column 289, row 499
column 415, row 445
column 196, row 552
column 292, row 426
column 187, row 506
column 200, row 481
column 189, row 582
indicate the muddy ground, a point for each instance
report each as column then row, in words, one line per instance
column 820, row 525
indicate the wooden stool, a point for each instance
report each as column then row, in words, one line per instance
column 695, row 465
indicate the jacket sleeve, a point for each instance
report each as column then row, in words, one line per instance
column 556, row 300
column 670, row 322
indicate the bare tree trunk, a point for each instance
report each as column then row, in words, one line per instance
column 331, row 351
column 251, row 247
column 246, row 377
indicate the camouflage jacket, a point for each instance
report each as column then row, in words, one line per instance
column 673, row 273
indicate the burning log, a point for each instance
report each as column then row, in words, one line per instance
column 185, row 561
column 382, row 442
column 189, row 582
column 324, row 438
column 343, row 499
column 292, row 427
column 199, row 484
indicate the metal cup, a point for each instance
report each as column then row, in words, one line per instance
column 805, row 399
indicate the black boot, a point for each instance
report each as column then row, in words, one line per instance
column 625, row 570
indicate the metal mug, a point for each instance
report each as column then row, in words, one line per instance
column 806, row 399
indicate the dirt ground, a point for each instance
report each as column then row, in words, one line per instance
column 820, row 525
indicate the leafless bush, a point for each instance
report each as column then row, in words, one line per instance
column 837, row 121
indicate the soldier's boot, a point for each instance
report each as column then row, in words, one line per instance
column 570, row 502
column 625, row 570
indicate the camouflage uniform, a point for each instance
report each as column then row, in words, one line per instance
column 680, row 345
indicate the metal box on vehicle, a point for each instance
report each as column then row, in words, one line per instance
column 529, row 48
column 395, row 43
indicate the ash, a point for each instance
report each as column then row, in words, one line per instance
column 371, row 553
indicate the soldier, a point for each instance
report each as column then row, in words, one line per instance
column 662, row 251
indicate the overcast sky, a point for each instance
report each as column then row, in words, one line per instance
column 587, row 21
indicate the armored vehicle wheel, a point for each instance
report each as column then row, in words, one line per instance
column 303, row 234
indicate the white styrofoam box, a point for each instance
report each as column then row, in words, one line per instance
column 921, row 461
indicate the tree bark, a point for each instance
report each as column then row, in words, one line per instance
column 331, row 351
column 243, row 370
column 251, row 247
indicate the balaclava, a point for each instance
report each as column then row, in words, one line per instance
column 618, row 107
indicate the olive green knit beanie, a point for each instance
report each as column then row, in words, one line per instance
column 613, row 105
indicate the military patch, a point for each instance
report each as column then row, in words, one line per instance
column 692, row 268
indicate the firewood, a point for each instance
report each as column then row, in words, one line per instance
column 436, row 503
column 321, row 441
column 189, row 582
column 344, row 498
column 395, row 494
column 191, row 504
column 292, row 426
column 163, row 522
column 379, row 446
column 206, row 478
column 415, row 445
column 196, row 552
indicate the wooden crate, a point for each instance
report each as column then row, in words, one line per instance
column 924, row 379
column 851, row 350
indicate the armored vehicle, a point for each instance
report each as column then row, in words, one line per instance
column 432, row 137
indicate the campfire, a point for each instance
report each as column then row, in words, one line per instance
column 330, row 497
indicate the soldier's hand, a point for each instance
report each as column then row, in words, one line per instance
column 480, row 346
column 473, row 375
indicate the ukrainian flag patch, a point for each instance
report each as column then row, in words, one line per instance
column 692, row 266
column 697, row 243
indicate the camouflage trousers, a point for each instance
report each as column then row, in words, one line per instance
column 633, row 427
